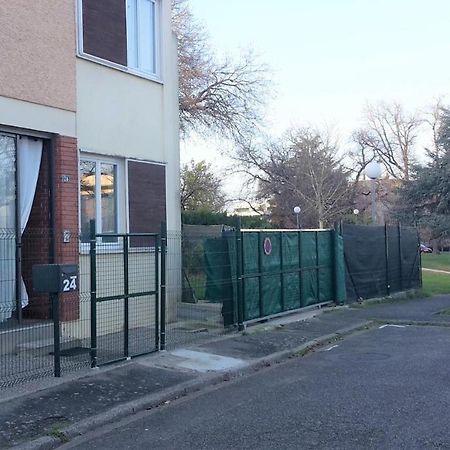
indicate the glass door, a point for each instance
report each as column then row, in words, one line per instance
column 7, row 226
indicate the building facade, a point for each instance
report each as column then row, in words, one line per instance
column 88, row 130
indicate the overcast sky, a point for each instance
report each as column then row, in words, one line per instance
column 330, row 57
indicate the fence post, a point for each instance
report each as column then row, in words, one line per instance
column 157, row 309
column 126, row 331
column 317, row 267
column 386, row 253
column 400, row 256
column 56, row 334
column 335, row 262
column 240, row 288
column 419, row 253
column 163, row 285
column 260, row 299
column 93, row 282
column 300, row 267
column 283, row 300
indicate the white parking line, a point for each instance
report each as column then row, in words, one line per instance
column 391, row 325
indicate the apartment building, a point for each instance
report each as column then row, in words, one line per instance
column 88, row 130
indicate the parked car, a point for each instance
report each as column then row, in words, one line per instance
column 425, row 249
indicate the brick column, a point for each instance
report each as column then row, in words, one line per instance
column 66, row 215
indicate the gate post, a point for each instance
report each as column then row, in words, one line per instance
column 240, row 287
column 126, row 314
column 400, row 256
column 93, row 282
column 335, row 259
column 386, row 252
column 163, row 285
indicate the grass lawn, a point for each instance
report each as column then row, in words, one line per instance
column 435, row 283
column 434, row 261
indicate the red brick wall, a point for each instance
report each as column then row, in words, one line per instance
column 38, row 234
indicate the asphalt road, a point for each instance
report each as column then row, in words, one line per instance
column 386, row 388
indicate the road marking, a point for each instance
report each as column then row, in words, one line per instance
column 391, row 325
column 331, row 348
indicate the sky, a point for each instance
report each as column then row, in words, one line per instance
column 328, row 58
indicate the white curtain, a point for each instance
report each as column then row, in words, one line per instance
column 29, row 154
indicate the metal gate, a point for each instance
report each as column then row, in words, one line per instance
column 127, row 285
column 283, row 270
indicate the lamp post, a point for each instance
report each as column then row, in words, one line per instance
column 373, row 171
column 297, row 211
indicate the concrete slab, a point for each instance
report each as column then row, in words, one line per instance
column 206, row 362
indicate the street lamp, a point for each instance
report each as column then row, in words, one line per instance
column 297, row 211
column 373, row 171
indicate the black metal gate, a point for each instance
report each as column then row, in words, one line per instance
column 127, row 314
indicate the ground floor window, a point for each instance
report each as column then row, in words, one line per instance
column 98, row 196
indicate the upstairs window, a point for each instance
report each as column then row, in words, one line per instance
column 124, row 33
column 141, row 35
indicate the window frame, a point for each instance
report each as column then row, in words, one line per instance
column 119, row 185
column 156, row 77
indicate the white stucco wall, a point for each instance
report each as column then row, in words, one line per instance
column 119, row 114
column 25, row 115
column 123, row 115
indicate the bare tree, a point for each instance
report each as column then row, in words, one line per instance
column 220, row 96
column 390, row 133
column 301, row 169
column 438, row 119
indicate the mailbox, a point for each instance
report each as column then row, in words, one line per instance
column 53, row 278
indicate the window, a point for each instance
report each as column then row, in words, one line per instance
column 98, row 197
column 141, row 35
column 121, row 33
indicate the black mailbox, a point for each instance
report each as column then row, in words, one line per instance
column 53, row 278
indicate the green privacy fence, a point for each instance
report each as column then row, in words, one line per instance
column 255, row 274
column 380, row 260
column 261, row 273
column 285, row 270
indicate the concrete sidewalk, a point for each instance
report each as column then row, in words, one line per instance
column 43, row 416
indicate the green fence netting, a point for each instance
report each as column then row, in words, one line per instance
column 260, row 273
column 380, row 260
column 280, row 271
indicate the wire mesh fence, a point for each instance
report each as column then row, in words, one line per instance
column 196, row 305
column 26, row 317
column 141, row 293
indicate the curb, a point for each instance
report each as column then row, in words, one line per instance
column 157, row 399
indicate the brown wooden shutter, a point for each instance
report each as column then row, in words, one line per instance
column 105, row 30
column 146, row 196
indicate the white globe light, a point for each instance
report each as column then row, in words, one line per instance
column 297, row 209
column 373, row 170
column 356, row 211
